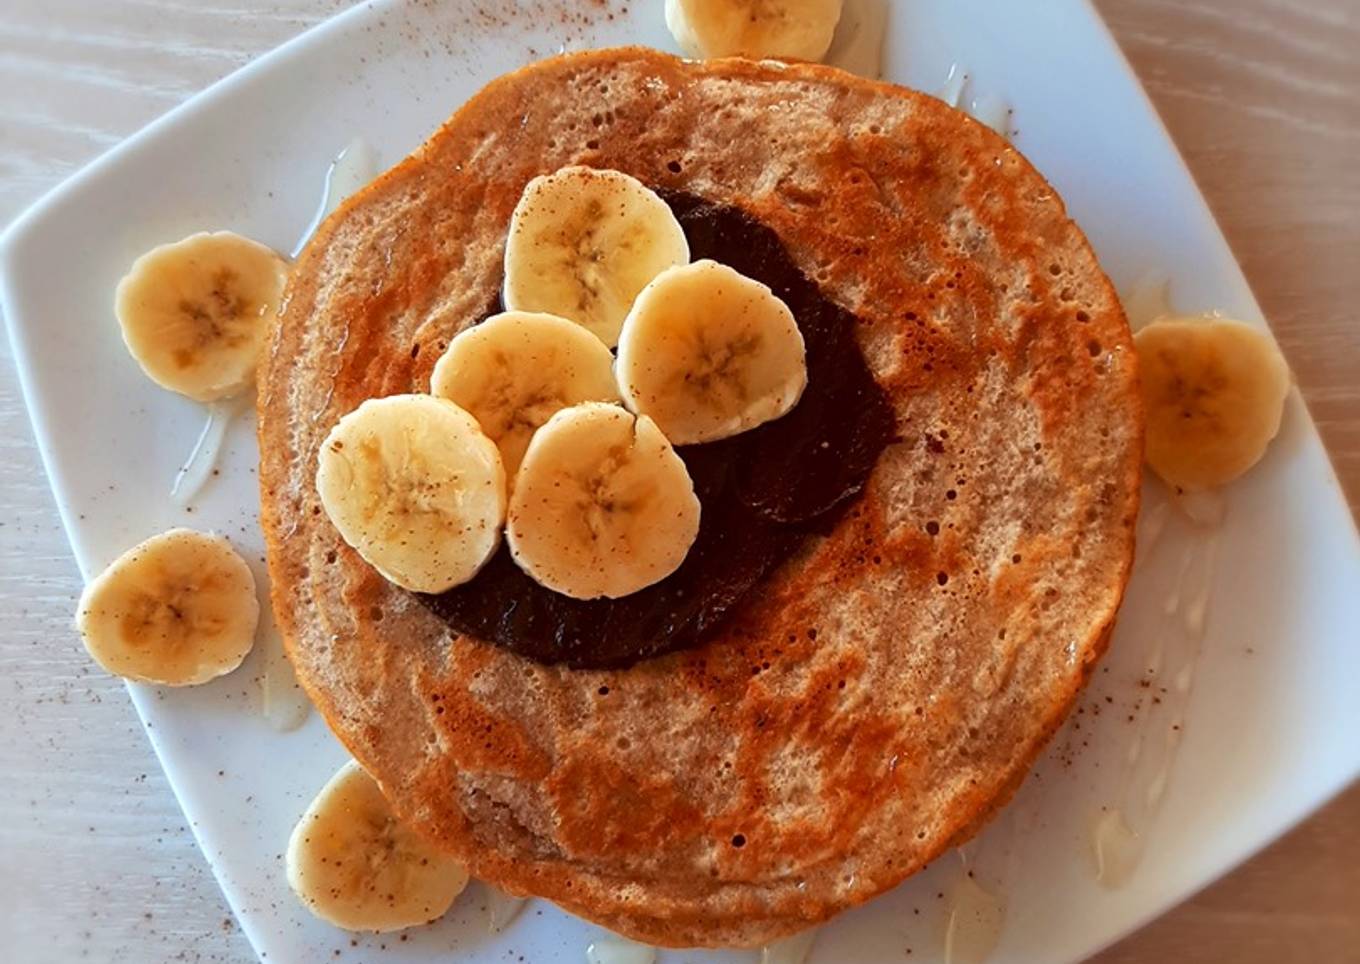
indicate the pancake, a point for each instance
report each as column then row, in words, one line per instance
column 886, row 688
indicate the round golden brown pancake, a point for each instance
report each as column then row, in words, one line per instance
column 884, row 691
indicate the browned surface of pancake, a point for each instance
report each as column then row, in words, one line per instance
column 884, row 691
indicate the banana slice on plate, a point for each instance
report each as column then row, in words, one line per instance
column 514, row 370
column 584, row 242
column 785, row 29
column 356, row 866
column 602, row 506
column 1213, row 395
column 414, row 485
column 709, row 353
column 177, row 609
column 195, row 313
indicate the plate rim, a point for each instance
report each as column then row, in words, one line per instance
column 14, row 236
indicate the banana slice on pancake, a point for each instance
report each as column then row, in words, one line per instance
column 353, row 864
column 514, row 370
column 416, row 487
column 584, row 242
column 602, row 505
column 1213, row 394
column 195, row 313
column 782, row 29
column 177, row 609
column 708, row 353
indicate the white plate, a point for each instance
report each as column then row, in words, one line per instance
column 1269, row 727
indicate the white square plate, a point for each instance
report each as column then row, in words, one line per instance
column 1269, row 718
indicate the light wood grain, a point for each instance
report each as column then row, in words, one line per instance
column 1263, row 96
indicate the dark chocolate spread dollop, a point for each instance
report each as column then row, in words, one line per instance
column 763, row 493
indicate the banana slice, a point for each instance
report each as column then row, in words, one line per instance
column 709, row 353
column 416, row 488
column 602, row 505
column 356, row 866
column 785, row 29
column 514, row 370
column 195, row 313
column 177, row 609
column 584, row 242
column 1213, row 393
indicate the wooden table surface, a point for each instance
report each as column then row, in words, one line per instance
column 1263, row 97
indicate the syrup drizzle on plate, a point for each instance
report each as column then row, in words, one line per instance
column 975, row 919
column 351, row 169
column 207, row 451
column 790, row 950
column 975, row 910
column 619, row 950
column 952, row 90
column 992, row 111
column 283, row 704
column 858, row 44
column 501, row 909
column 988, row 109
column 1146, row 300
column 1119, row 831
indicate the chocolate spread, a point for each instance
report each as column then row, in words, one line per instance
column 763, row 493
